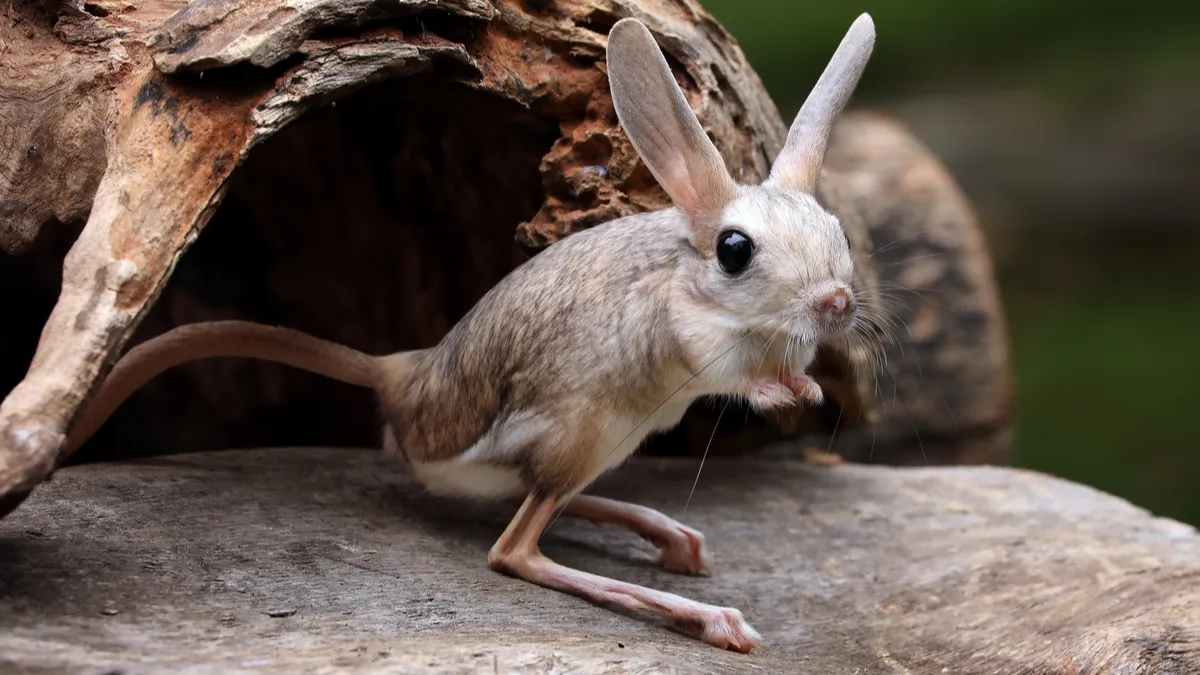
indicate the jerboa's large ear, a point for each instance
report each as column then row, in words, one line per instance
column 799, row 163
column 661, row 125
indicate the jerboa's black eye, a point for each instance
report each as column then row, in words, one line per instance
column 734, row 249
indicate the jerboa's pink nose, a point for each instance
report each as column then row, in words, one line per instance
column 836, row 303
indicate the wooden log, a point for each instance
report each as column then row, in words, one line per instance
column 320, row 560
column 458, row 123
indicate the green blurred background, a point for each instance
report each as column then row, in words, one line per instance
column 1075, row 129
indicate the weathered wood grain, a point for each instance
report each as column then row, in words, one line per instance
column 211, row 34
column 177, row 564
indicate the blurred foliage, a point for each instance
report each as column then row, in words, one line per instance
column 1107, row 371
column 924, row 45
column 1104, row 325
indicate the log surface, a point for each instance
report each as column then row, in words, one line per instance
column 320, row 560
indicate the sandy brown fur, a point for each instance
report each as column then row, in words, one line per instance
column 531, row 345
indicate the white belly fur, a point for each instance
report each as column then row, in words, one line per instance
column 472, row 480
column 469, row 476
column 626, row 434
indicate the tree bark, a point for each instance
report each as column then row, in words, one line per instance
column 365, row 165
